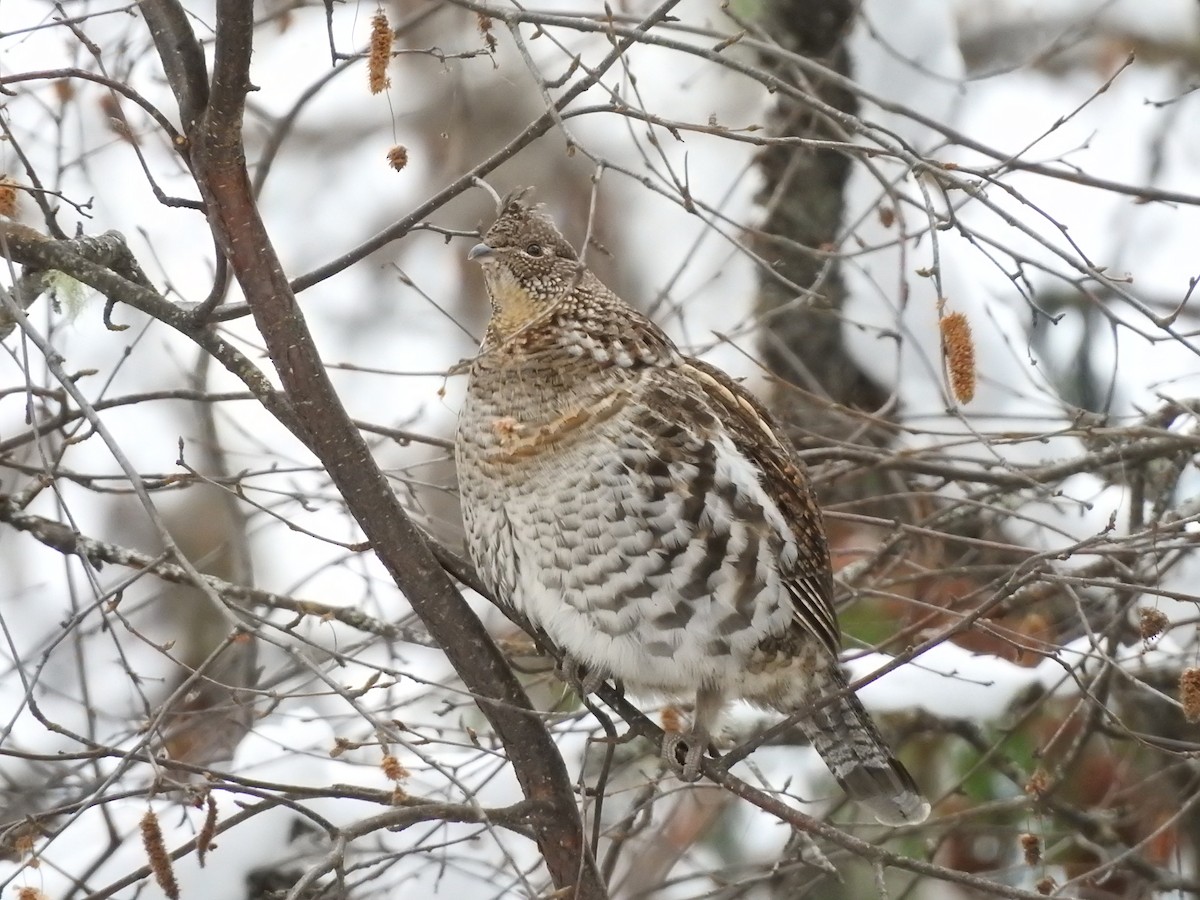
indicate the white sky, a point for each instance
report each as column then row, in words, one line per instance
column 320, row 202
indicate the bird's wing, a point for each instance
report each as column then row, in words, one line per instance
column 759, row 438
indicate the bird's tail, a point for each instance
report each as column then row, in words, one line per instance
column 847, row 739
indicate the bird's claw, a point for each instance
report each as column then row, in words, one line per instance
column 686, row 765
column 584, row 680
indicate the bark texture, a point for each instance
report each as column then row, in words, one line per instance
column 802, row 196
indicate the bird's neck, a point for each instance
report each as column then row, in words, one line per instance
column 540, row 365
column 514, row 311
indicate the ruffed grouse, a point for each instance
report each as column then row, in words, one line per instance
column 648, row 514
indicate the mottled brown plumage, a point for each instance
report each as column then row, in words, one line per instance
column 645, row 511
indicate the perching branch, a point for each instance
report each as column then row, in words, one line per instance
column 321, row 423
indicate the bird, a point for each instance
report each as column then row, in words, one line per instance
column 649, row 516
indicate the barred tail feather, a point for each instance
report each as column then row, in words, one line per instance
column 844, row 735
column 888, row 791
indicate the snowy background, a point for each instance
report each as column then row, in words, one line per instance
column 1047, row 83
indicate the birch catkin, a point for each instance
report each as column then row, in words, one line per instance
column 959, row 348
column 380, row 53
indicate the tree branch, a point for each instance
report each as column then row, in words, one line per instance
column 28, row 247
column 181, row 55
column 69, row 542
column 321, row 422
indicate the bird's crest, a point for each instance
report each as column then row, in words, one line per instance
column 522, row 223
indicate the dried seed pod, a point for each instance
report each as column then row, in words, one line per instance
column 9, row 207
column 392, row 768
column 207, row 831
column 1031, row 848
column 380, row 53
column 1038, row 783
column 1152, row 622
column 959, row 347
column 398, row 157
column 1189, row 693
column 484, row 22
column 156, row 851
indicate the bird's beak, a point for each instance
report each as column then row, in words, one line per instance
column 481, row 253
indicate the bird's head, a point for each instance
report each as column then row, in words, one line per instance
column 528, row 266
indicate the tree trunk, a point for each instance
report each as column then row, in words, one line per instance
column 803, row 199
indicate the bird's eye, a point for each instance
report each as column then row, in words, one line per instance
column 534, row 250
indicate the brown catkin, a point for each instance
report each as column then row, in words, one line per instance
column 1031, row 848
column 23, row 844
column 398, row 157
column 380, row 53
column 156, row 851
column 959, row 348
column 8, row 197
column 30, row 893
column 1189, row 693
column 207, row 831
column 64, row 90
column 484, row 22
column 392, row 768
column 114, row 117
column 1151, row 622
column 1038, row 783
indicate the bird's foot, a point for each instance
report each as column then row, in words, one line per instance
column 684, row 752
column 582, row 679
